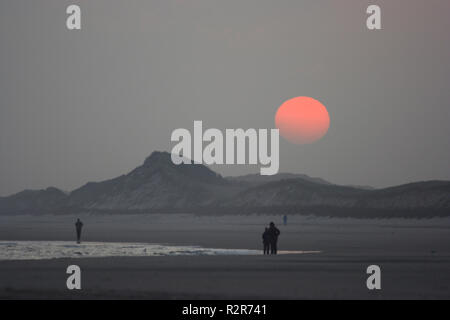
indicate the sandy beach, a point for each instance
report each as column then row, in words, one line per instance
column 414, row 256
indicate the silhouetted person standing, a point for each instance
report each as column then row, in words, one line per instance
column 285, row 219
column 274, row 233
column 266, row 240
column 78, row 226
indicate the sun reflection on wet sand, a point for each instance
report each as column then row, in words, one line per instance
column 40, row 250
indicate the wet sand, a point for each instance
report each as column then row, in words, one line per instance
column 414, row 256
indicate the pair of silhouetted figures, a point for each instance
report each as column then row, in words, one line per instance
column 270, row 239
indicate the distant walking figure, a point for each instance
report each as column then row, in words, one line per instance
column 266, row 240
column 274, row 233
column 285, row 219
column 78, row 226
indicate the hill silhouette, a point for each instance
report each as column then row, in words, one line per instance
column 158, row 185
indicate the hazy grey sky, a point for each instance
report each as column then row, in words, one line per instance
column 78, row 106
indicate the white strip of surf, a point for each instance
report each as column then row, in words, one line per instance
column 41, row 250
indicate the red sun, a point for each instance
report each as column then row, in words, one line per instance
column 302, row 120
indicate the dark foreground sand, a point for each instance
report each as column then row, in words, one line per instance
column 228, row 277
column 414, row 256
